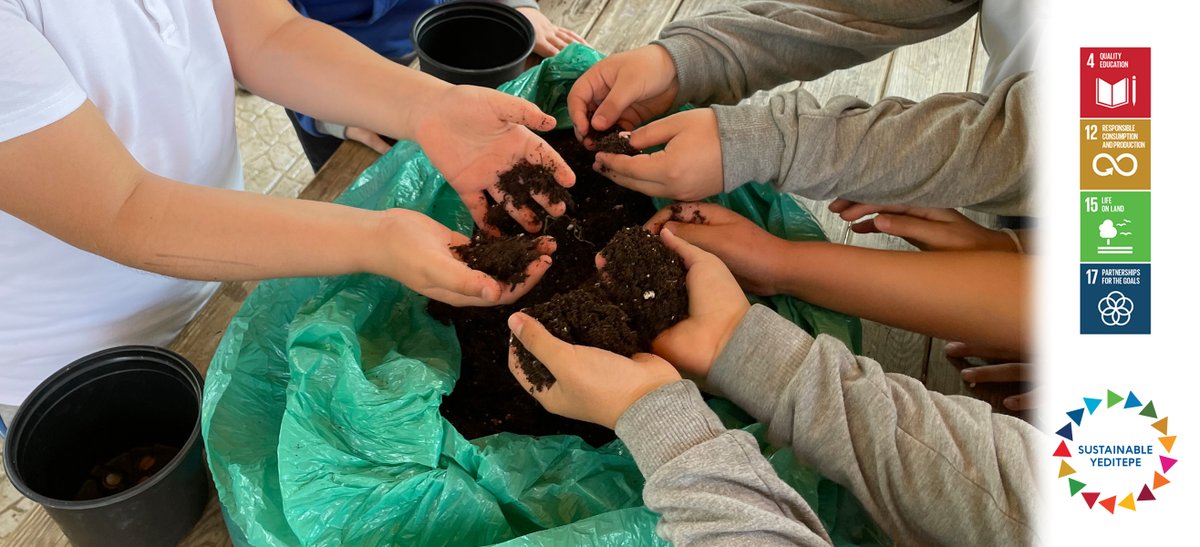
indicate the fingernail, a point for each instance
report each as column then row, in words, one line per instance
column 625, row 134
column 968, row 376
column 1010, row 402
column 666, row 231
column 882, row 222
column 515, row 322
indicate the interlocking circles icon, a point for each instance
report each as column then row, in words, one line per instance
column 1115, row 164
column 1116, row 309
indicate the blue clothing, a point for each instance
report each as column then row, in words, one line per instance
column 385, row 26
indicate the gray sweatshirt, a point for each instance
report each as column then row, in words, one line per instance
column 931, row 469
column 951, row 150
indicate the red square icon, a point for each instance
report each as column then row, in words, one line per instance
column 1114, row 82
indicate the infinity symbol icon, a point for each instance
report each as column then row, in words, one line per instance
column 1115, row 164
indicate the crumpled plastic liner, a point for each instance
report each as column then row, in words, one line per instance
column 321, row 417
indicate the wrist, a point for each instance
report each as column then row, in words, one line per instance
column 424, row 98
column 379, row 235
column 797, row 280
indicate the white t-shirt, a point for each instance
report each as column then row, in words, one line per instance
column 159, row 73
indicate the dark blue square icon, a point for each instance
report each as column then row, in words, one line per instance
column 1114, row 299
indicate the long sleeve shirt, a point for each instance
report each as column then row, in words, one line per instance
column 951, row 150
column 931, row 469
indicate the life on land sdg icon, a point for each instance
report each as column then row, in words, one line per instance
column 1110, row 230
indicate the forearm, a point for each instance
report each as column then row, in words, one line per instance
column 196, row 232
column 951, row 150
column 722, row 56
column 931, row 469
column 710, row 485
column 313, row 68
column 976, row 297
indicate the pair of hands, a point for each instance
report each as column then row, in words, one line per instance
column 598, row 386
column 628, row 89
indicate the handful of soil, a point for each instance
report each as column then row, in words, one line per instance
column 520, row 183
column 642, row 292
column 646, row 280
column 582, row 316
column 503, row 258
column 125, row 471
column 613, row 143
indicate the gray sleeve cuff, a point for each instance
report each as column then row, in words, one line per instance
column 666, row 423
column 751, row 144
column 758, row 362
column 688, row 55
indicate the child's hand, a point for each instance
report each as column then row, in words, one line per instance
column 472, row 134
column 688, row 169
column 716, row 305
column 1006, row 373
column 928, row 229
column 591, row 384
column 415, row 250
column 370, row 138
column 750, row 252
column 549, row 38
column 623, row 90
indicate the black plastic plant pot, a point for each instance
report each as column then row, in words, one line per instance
column 99, row 408
column 474, row 43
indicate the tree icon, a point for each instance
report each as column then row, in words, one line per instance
column 1108, row 231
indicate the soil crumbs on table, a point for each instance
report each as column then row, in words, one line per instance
column 487, row 399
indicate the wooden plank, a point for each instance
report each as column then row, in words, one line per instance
column 694, row 8
column 979, row 61
column 935, row 66
column 626, row 24
column 577, row 15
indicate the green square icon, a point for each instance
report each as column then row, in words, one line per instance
column 1114, row 227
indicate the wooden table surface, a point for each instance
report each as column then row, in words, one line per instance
column 953, row 62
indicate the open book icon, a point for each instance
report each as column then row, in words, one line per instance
column 1116, row 94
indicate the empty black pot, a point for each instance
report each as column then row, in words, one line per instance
column 475, row 43
column 95, row 409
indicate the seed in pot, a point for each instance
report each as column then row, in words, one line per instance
column 112, row 480
column 146, row 462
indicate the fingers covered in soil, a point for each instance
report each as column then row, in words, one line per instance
column 583, row 316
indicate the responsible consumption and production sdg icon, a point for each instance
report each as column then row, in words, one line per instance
column 1115, row 452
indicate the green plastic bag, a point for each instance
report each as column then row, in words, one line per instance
column 321, row 416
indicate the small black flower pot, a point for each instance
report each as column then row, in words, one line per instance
column 473, row 43
column 99, row 408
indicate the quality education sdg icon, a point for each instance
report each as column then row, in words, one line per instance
column 1114, row 452
column 1114, row 227
column 1114, row 82
column 1114, row 298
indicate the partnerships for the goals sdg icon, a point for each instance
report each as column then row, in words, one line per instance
column 1115, row 452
